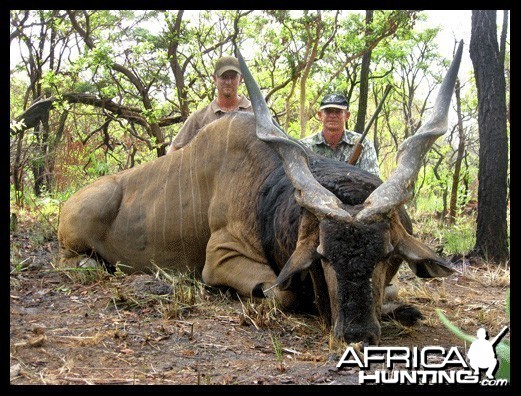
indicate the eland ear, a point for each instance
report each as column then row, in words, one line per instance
column 305, row 251
column 430, row 269
column 421, row 259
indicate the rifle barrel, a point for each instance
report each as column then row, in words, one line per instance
column 358, row 147
column 370, row 123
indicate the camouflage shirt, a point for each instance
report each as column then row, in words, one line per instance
column 202, row 117
column 367, row 161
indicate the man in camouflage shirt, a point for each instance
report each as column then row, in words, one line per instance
column 336, row 142
column 227, row 77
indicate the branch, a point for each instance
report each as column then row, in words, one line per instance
column 115, row 66
column 40, row 109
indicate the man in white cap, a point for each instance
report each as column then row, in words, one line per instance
column 227, row 78
column 336, row 142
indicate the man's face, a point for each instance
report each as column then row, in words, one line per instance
column 333, row 119
column 228, row 83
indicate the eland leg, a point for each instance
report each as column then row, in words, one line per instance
column 392, row 308
column 230, row 264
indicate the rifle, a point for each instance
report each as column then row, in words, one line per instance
column 358, row 147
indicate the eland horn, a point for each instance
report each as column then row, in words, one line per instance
column 309, row 193
column 398, row 188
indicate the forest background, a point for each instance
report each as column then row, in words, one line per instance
column 94, row 92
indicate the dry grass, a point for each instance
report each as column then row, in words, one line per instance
column 263, row 314
column 489, row 275
column 104, row 329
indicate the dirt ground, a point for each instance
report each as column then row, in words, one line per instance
column 145, row 329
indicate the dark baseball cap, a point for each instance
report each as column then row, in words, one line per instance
column 336, row 100
column 226, row 63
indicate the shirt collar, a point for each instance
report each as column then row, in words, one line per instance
column 347, row 137
column 244, row 103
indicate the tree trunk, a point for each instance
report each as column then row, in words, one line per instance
column 459, row 158
column 18, row 170
column 364, row 78
column 491, row 232
column 311, row 52
column 37, row 164
column 175, row 65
